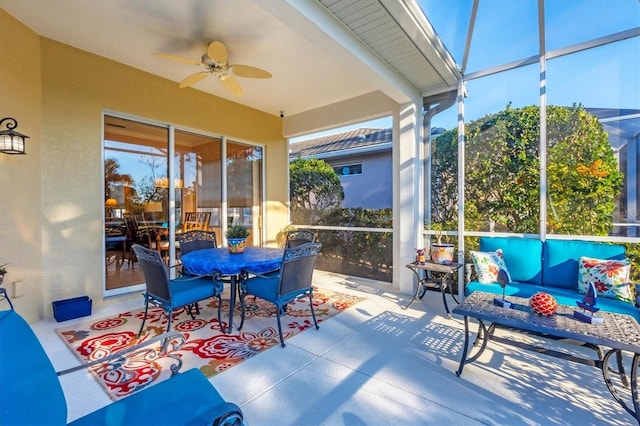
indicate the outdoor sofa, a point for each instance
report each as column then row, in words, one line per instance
column 561, row 268
column 32, row 395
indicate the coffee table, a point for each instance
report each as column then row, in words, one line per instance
column 618, row 333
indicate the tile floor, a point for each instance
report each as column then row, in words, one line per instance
column 380, row 364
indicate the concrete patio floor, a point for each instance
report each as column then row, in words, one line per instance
column 380, row 364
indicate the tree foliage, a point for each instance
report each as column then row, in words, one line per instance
column 314, row 189
column 502, row 172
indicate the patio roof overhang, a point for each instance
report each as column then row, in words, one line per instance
column 333, row 63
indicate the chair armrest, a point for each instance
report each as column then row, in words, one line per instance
column 171, row 341
column 275, row 274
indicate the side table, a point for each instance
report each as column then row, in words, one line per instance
column 434, row 275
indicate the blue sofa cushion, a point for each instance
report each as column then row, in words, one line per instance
column 562, row 296
column 186, row 398
column 560, row 260
column 522, row 257
column 31, row 393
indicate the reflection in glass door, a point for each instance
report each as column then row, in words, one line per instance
column 136, row 197
column 140, row 208
column 244, row 188
column 198, row 163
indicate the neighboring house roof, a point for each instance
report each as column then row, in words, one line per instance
column 345, row 143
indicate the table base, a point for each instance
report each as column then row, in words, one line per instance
column 486, row 333
column 428, row 281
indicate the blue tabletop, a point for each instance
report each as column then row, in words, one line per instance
column 255, row 259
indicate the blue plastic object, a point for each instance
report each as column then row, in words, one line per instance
column 76, row 307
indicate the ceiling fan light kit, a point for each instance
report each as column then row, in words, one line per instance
column 215, row 61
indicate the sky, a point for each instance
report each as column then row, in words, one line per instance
column 603, row 77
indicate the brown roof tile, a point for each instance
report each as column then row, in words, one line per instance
column 358, row 138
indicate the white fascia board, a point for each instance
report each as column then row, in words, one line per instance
column 415, row 24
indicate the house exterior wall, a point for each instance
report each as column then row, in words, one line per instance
column 52, row 222
column 20, row 230
column 373, row 188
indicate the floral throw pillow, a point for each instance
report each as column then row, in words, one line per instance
column 488, row 264
column 609, row 277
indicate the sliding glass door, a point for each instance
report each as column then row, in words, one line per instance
column 135, row 161
column 147, row 199
column 244, row 188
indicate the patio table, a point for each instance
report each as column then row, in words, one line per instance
column 218, row 261
column 618, row 332
column 435, row 275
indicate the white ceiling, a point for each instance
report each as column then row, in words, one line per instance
column 319, row 52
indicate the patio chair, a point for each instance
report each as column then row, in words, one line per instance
column 297, row 238
column 32, row 393
column 171, row 294
column 194, row 221
column 196, row 240
column 290, row 282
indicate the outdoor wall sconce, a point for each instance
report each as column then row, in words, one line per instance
column 11, row 142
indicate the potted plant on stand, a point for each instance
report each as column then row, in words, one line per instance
column 237, row 238
column 441, row 252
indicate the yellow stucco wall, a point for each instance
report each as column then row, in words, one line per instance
column 20, row 231
column 59, row 192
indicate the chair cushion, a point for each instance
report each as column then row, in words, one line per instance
column 521, row 255
column 609, row 277
column 488, row 264
column 560, row 260
column 264, row 288
column 185, row 399
column 187, row 290
column 31, row 393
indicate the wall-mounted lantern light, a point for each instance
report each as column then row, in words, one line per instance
column 11, row 142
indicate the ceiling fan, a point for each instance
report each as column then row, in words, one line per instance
column 215, row 61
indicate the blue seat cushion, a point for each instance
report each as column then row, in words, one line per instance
column 560, row 260
column 522, row 256
column 186, row 291
column 562, row 296
column 267, row 289
column 187, row 398
column 264, row 288
column 31, row 393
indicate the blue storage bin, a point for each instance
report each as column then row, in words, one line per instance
column 71, row 308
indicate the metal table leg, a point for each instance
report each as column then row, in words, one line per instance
column 484, row 335
column 232, row 303
column 635, row 397
column 418, row 285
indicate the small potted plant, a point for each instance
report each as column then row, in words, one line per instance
column 441, row 252
column 237, row 238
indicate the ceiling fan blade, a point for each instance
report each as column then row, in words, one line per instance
column 250, row 72
column 193, row 79
column 176, row 58
column 218, row 52
column 230, row 83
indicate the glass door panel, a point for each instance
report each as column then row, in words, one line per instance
column 136, row 195
column 244, row 188
column 198, row 168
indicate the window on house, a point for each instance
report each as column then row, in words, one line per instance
column 348, row 169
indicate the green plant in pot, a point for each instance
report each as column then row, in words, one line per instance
column 237, row 238
column 441, row 251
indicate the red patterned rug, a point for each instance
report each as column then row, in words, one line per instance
column 206, row 348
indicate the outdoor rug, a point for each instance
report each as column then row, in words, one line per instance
column 206, row 348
